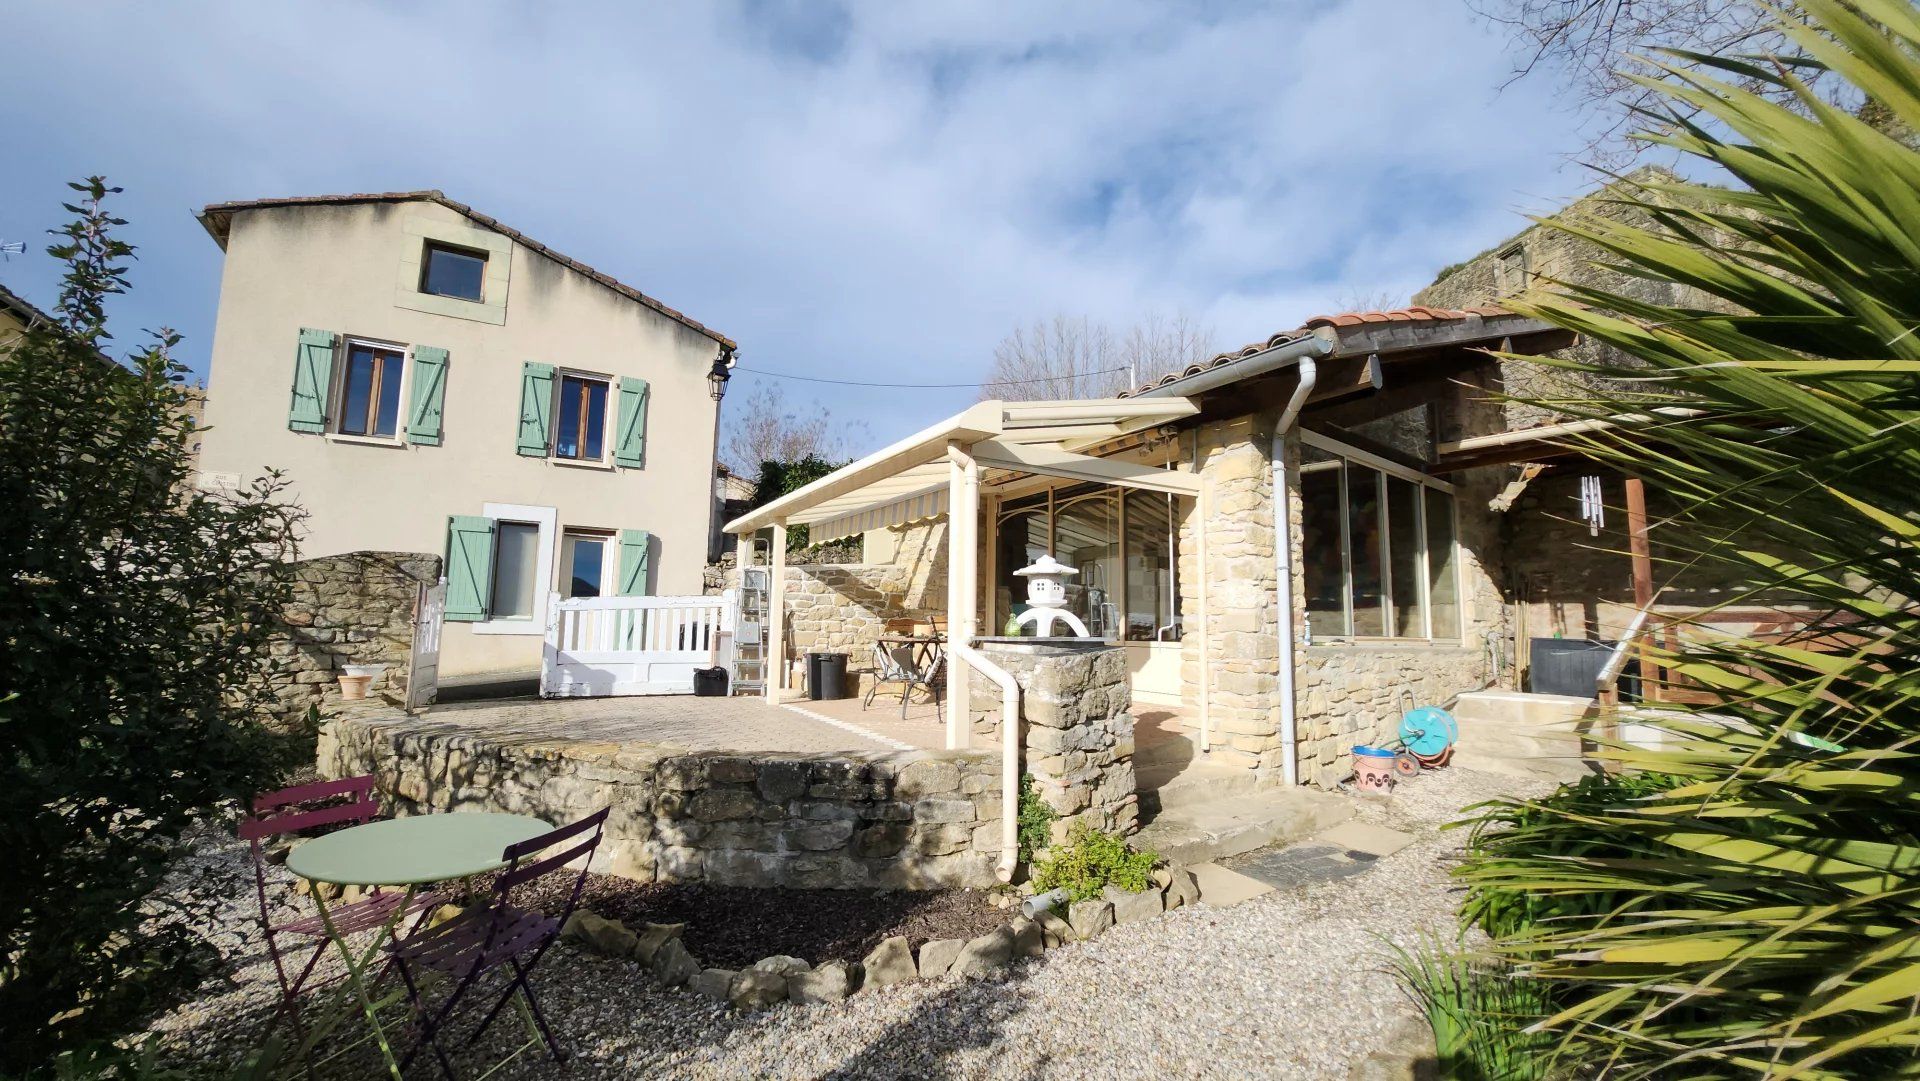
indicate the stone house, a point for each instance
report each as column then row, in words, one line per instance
column 431, row 380
column 1279, row 641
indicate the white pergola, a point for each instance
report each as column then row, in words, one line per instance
column 996, row 449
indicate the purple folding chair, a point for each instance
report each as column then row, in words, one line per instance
column 348, row 801
column 496, row 934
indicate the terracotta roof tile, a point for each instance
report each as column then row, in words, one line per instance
column 216, row 216
column 1344, row 319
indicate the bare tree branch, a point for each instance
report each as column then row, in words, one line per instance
column 766, row 427
column 1076, row 357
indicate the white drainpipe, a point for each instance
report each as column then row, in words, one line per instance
column 1283, row 569
column 1009, row 755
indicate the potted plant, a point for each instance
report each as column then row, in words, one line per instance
column 356, row 678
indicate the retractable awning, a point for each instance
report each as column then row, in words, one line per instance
column 908, row 481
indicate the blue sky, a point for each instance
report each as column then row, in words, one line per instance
column 862, row 191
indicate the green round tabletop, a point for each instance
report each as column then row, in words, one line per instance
column 413, row 851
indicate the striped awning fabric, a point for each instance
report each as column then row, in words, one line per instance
column 929, row 503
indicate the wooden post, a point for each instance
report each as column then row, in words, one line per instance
column 963, row 526
column 990, row 566
column 1642, row 554
column 776, row 636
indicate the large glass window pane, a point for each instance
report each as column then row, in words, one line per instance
column 1323, row 560
column 1403, row 557
column 453, row 272
column 1086, row 537
column 516, row 559
column 1443, row 574
column 1365, row 562
column 387, row 418
column 1022, row 540
column 357, row 391
column 1153, row 561
column 583, row 558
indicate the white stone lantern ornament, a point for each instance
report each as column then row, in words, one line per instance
column 1047, row 598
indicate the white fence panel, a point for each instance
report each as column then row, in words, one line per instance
column 604, row 646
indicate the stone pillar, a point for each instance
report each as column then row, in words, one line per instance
column 1077, row 726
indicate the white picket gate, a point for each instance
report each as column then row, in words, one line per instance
column 603, row 646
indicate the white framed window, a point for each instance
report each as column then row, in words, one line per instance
column 1381, row 546
column 449, row 270
column 368, row 399
column 521, row 578
column 582, row 418
column 588, row 563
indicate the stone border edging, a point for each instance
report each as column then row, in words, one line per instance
column 782, row 978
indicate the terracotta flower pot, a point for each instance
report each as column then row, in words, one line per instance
column 353, row 688
column 1372, row 772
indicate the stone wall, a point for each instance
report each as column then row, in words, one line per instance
column 1352, row 694
column 845, row 606
column 1077, row 730
column 356, row 608
column 887, row 820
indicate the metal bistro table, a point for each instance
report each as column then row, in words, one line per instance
column 406, row 852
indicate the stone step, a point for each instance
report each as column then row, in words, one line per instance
column 1523, row 734
column 1208, row 830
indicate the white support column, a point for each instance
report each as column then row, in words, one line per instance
column 776, row 674
column 963, row 531
column 990, row 565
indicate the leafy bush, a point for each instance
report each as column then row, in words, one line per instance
column 135, row 613
column 1756, row 918
column 1035, row 821
column 1089, row 862
column 1481, row 1016
column 1553, row 827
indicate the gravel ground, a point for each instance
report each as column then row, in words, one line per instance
column 1292, row 984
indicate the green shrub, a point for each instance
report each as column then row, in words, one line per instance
column 1480, row 1014
column 136, row 614
column 1091, row 861
column 1036, row 820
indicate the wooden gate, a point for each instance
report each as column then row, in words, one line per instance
column 423, row 669
column 603, row 646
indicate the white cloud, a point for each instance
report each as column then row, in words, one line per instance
column 878, row 196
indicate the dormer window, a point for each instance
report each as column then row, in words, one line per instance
column 447, row 271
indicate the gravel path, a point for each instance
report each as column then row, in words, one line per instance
column 1291, row 984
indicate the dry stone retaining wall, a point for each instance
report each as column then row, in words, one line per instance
column 356, row 608
column 887, row 820
column 1076, row 702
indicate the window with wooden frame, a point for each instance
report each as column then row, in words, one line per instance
column 580, row 434
column 1379, row 544
column 448, row 271
column 368, row 391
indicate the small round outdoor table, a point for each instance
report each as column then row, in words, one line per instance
column 408, row 852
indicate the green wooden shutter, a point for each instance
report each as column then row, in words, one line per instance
column 312, row 379
column 536, row 409
column 428, row 395
column 469, row 567
column 634, row 545
column 631, row 450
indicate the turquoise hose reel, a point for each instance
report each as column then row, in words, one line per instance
column 1428, row 733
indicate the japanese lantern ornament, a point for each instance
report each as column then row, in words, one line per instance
column 1047, row 598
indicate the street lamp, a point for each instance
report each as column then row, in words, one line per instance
column 718, row 375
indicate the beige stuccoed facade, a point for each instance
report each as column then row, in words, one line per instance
column 352, row 269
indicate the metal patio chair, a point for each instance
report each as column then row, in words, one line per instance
column 496, row 934
column 299, row 810
column 909, row 664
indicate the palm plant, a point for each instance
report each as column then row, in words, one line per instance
column 1758, row 913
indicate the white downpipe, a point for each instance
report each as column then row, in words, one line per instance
column 1009, row 754
column 1283, row 571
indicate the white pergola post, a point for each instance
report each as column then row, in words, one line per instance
column 776, row 674
column 963, row 530
column 1204, row 513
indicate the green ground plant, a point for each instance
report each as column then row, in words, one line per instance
column 1480, row 1013
column 1756, row 917
column 1035, row 820
column 135, row 613
column 1090, row 861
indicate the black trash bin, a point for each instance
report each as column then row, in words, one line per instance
column 710, row 683
column 826, row 675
